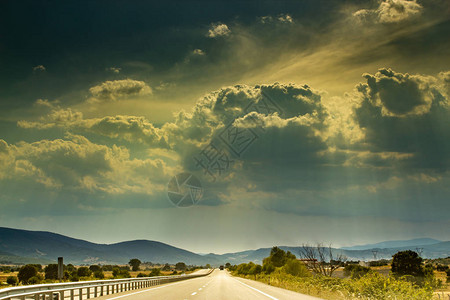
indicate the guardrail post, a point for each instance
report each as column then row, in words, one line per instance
column 61, row 295
column 88, row 292
column 95, row 291
column 80, row 294
column 72, row 296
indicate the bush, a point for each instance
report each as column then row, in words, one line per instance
column 355, row 271
column 120, row 273
column 35, row 279
column 95, row 268
column 441, row 268
column 181, row 266
column 51, row 271
column 84, row 272
column 141, row 275
column 99, row 274
column 407, row 263
column 296, row 268
column 12, row 280
column 155, row 272
column 26, row 273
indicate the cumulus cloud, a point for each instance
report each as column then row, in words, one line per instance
column 390, row 11
column 126, row 128
column 281, row 18
column 399, row 94
column 114, row 70
column 39, row 68
column 407, row 114
column 198, row 52
column 119, row 89
column 397, row 10
column 75, row 163
column 218, row 30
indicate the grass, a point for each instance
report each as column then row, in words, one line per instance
column 372, row 286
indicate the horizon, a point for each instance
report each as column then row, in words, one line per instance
column 226, row 125
column 219, row 253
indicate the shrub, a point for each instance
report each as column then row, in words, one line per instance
column 141, row 275
column 12, row 280
column 84, row 272
column 99, row 274
column 95, row 268
column 26, row 273
column 355, row 271
column 36, row 279
column 51, row 271
column 296, row 268
column 155, row 272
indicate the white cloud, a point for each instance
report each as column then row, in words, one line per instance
column 390, row 11
column 39, row 68
column 114, row 70
column 198, row 52
column 218, row 30
column 119, row 89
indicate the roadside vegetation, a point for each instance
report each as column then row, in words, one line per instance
column 409, row 278
column 36, row 274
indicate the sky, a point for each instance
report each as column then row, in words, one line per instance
column 295, row 121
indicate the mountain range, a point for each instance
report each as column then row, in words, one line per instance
column 23, row 246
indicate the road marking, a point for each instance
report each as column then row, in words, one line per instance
column 148, row 290
column 267, row 295
column 194, row 293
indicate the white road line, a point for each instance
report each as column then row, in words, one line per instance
column 148, row 290
column 267, row 295
column 194, row 293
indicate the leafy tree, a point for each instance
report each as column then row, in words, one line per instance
column 208, row 266
column 180, row 266
column 166, row 267
column 141, row 275
column 107, row 268
column 95, row 268
column 135, row 264
column 227, row 265
column 84, row 272
column 277, row 257
column 155, row 272
column 26, row 272
column 51, row 271
column 99, row 274
column 296, row 268
column 268, row 266
column 35, row 279
column 255, row 270
column 407, row 263
column 120, row 273
column 12, row 280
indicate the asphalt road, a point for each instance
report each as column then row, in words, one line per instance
column 219, row 285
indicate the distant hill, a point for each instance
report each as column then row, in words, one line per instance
column 23, row 246
column 47, row 246
column 394, row 244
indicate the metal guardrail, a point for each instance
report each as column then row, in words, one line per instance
column 87, row 289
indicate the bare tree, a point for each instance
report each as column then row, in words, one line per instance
column 320, row 259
